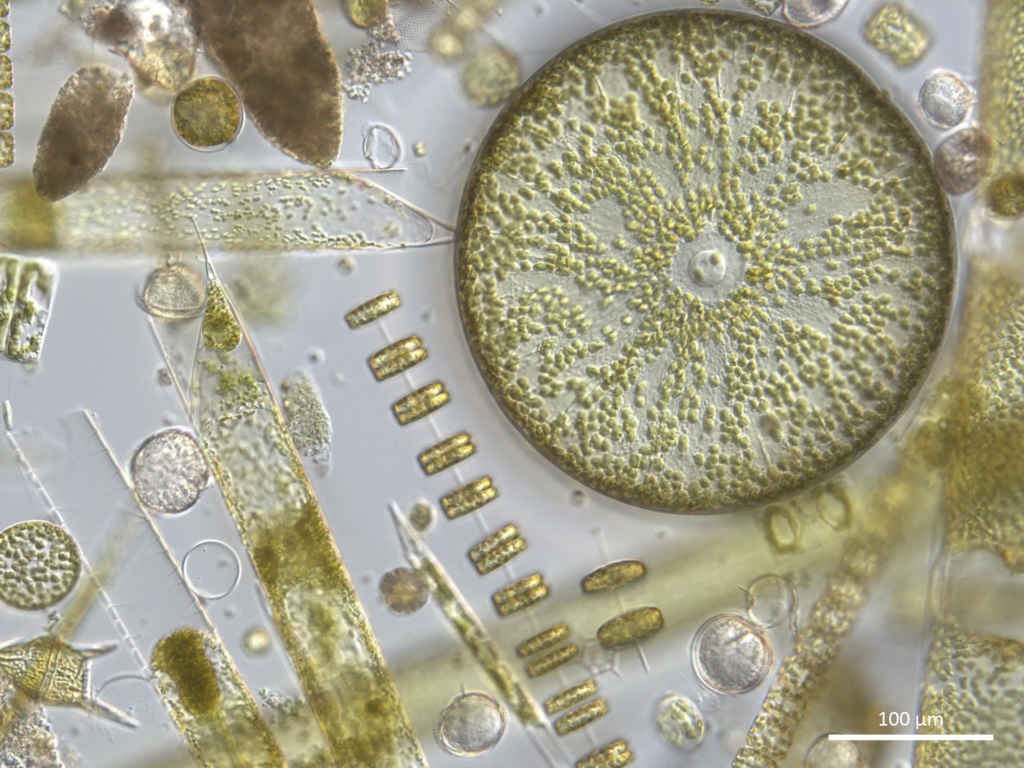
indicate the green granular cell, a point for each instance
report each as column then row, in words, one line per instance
column 702, row 261
column 220, row 329
column 207, row 113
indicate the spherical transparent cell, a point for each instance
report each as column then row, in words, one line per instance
column 168, row 472
column 471, row 725
column 945, row 99
column 812, row 13
column 731, row 655
column 703, row 261
column 39, row 565
column 833, row 754
column 770, row 600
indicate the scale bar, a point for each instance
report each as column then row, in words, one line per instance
column 909, row 737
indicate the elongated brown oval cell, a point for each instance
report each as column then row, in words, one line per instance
column 275, row 54
column 84, row 128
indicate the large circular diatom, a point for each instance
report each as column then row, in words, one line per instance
column 702, row 261
column 39, row 565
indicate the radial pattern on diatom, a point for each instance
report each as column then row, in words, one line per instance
column 702, row 261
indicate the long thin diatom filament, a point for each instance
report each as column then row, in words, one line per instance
column 466, row 623
column 313, row 603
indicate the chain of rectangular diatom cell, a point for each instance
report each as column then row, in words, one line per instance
column 6, row 96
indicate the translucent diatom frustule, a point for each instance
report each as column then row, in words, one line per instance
column 471, row 725
column 703, row 261
column 770, row 600
column 897, row 33
column 174, row 293
column 39, row 565
column 824, row 753
column 680, row 722
column 168, row 472
column 731, row 655
column 812, row 13
column 27, row 290
column 945, row 99
column 306, row 416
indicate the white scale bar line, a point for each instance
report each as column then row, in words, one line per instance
column 909, row 737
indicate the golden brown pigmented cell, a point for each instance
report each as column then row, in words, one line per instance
column 207, row 114
column 275, row 54
column 693, row 279
column 84, row 128
column 366, row 13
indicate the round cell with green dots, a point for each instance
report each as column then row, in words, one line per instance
column 702, row 261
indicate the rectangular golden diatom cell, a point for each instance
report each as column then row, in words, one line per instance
column 614, row 755
column 897, row 33
column 552, row 660
column 497, row 549
column 570, row 697
column 374, row 309
column 398, row 357
column 469, row 497
column 6, row 138
column 447, row 453
column 630, row 627
column 614, row 575
column 520, row 595
column 423, row 402
column 581, row 717
column 543, row 640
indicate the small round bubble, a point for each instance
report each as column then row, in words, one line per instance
column 212, row 569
